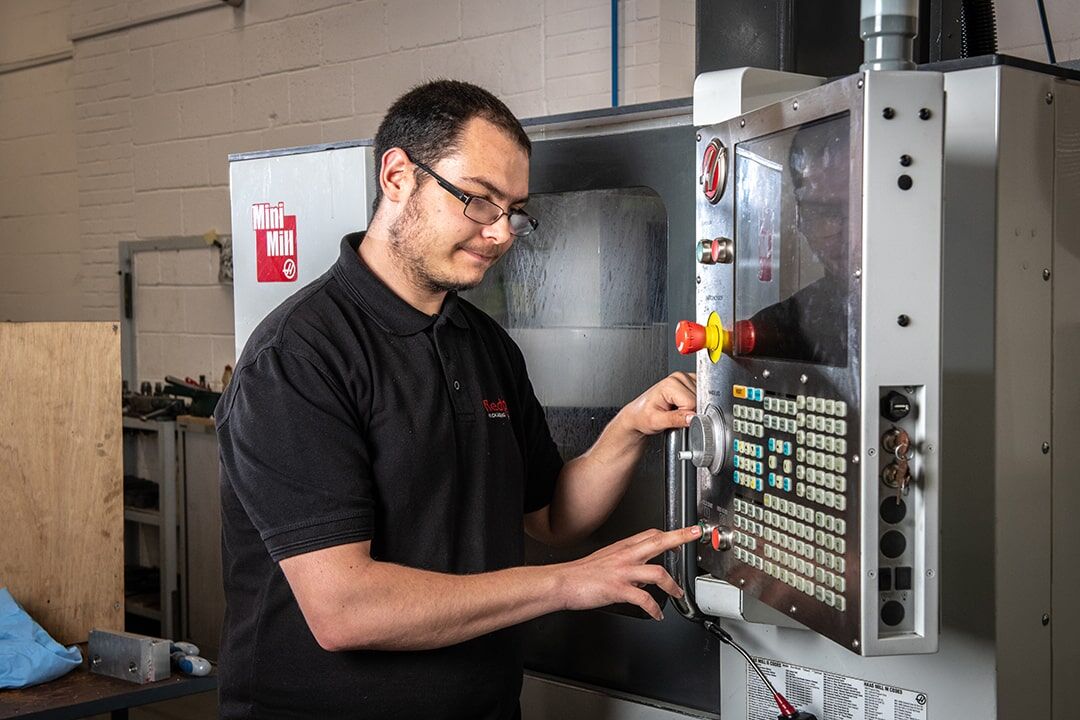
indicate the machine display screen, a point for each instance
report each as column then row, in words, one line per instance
column 791, row 239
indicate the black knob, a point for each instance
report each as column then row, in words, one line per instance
column 892, row 613
column 895, row 406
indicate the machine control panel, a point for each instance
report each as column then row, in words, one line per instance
column 826, row 406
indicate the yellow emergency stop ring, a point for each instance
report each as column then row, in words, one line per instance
column 716, row 337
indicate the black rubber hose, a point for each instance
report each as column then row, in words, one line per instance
column 978, row 28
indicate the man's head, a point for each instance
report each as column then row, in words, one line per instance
column 477, row 148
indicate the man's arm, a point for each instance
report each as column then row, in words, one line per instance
column 591, row 485
column 351, row 601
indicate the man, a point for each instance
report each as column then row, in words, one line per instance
column 383, row 451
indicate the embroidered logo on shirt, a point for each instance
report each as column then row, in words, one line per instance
column 496, row 409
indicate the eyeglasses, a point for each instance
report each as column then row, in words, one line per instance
column 482, row 210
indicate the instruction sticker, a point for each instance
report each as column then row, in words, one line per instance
column 829, row 696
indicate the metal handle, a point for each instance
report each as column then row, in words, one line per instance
column 680, row 496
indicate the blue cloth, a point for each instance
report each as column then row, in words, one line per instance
column 28, row 655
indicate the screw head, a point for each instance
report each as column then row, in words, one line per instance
column 871, row 452
column 859, row 84
column 742, row 122
column 888, row 113
column 903, row 320
column 765, row 373
column 855, row 644
column 1049, row 98
column 924, row 113
column 1046, row 448
column 792, row 609
column 1045, row 619
column 904, row 182
column 905, row 160
column 742, row 581
column 698, row 279
column 795, row 105
column 858, row 272
column 803, row 379
column 1046, row 273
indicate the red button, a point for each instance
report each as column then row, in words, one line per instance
column 716, row 539
column 690, row 337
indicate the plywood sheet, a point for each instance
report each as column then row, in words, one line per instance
column 61, row 475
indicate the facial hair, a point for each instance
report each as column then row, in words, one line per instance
column 411, row 241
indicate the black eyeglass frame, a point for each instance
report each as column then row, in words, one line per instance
column 466, row 198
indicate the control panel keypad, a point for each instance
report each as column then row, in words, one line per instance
column 792, row 452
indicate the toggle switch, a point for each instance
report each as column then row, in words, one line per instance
column 691, row 337
column 717, row 250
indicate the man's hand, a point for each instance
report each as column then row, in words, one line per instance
column 669, row 403
column 617, row 572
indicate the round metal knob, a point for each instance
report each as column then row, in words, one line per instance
column 708, row 437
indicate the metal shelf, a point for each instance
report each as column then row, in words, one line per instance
column 161, row 605
column 143, row 606
column 142, row 515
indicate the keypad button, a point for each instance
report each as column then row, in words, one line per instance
column 841, row 465
column 841, row 446
column 830, row 407
column 800, row 401
column 841, row 483
column 800, row 420
column 841, row 502
column 841, row 545
column 841, row 526
column 841, row 427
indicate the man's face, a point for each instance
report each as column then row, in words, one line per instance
column 439, row 248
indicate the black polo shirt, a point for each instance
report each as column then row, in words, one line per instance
column 353, row 416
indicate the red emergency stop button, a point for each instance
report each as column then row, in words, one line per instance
column 714, row 539
column 690, row 337
column 714, row 169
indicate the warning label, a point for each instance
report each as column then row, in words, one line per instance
column 829, row 696
column 275, row 243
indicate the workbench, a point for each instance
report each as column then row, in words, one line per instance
column 82, row 693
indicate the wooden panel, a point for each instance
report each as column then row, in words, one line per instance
column 61, row 475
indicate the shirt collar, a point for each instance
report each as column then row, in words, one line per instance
column 391, row 312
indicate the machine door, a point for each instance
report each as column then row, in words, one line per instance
column 590, row 298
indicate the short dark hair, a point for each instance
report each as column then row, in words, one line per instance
column 427, row 122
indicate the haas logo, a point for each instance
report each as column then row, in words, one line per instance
column 496, row 409
column 275, row 242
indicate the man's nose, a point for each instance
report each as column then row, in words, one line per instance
column 499, row 231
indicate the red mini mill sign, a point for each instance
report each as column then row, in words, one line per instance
column 275, row 242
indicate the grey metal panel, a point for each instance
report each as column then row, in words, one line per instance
column 546, row 698
column 994, row 654
column 330, row 193
column 1065, row 451
column 204, row 595
column 1023, row 356
column 902, row 275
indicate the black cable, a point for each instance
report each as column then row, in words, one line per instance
column 1046, row 32
column 787, row 710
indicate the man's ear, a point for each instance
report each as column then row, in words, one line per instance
column 396, row 177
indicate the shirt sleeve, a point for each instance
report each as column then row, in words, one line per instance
column 294, row 454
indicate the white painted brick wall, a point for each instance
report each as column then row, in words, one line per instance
column 131, row 142
column 40, row 253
